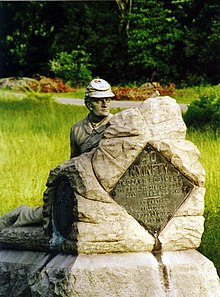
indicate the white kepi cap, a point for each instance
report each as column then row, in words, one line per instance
column 99, row 88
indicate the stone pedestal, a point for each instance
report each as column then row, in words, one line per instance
column 170, row 274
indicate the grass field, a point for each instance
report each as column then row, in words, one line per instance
column 187, row 95
column 209, row 146
column 34, row 138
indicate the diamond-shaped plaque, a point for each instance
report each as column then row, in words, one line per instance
column 152, row 190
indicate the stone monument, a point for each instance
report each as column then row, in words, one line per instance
column 123, row 220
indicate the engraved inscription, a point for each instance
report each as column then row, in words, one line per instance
column 152, row 190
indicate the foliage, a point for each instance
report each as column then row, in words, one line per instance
column 73, row 67
column 152, row 36
column 27, row 29
column 199, row 54
column 210, row 239
column 134, row 94
column 93, row 25
column 50, row 85
column 38, row 96
column 129, row 41
column 143, row 92
column 190, row 94
column 204, row 112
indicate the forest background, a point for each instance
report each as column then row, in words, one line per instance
column 123, row 41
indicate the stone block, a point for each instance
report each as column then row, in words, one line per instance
column 170, row 274
column 191, row 274
column 163, row 118
column 182, row 233
column 107, row 227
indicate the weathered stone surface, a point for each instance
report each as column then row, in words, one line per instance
column 84, row 179
column 184, row 155
column 182, row 233
column 27, row 238
column 107, row 227
column 170, row 274
column 191, row 274
column 163, row 118
column 121, row 143
column 16, row 268
column 116, row 155
column 126, row 123
column 125, row 275
column 80, row 173
column 129, row 131
column 193, row 205
column 19, row 84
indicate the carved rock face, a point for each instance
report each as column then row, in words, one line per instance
column 152, row 190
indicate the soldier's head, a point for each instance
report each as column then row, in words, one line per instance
column 98, row 97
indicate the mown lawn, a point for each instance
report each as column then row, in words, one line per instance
column 34, row 137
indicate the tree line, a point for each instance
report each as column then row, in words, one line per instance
column 123, row 41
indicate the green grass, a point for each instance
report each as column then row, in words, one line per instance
column 79, row 93
column 187, row 95
column 34, row 138
column 209, row 146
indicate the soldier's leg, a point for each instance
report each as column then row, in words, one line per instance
column 21, row 216
column 10, row 217
column 29, row 216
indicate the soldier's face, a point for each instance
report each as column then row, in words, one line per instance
column 100, row 107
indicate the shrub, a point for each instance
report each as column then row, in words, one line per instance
column 142, row 93
column 130, row 93
column 35, row 95
column 72, row 67
column 53, row 85
column 204, row 113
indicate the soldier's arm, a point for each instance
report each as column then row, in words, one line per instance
column 74, row 149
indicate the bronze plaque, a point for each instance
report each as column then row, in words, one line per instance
column 63, row 206
column 152, row 190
